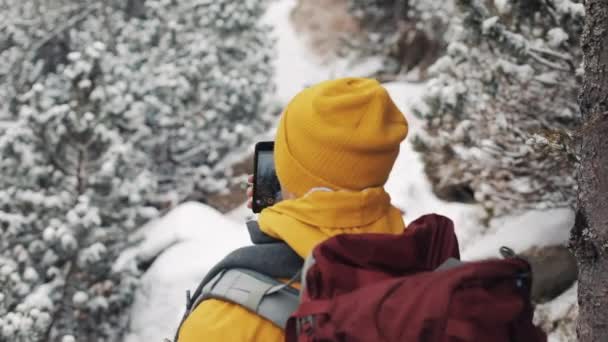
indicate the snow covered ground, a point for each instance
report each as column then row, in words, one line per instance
column 193, row 237
column 295, row 67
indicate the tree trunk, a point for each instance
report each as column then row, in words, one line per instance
column 590, row 233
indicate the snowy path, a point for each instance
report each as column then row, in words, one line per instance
column 295, row 66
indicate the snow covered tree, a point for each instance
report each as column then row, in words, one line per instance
column 203, row 85
column 32, row 43
column 407, row 33
column 195, row 76
column 72, row 189
column 114, row 102
column 501, row 108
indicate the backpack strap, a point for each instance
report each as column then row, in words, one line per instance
column 256, row 292
column 252, row 271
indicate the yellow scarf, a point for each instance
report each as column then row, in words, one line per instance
column 306, row 221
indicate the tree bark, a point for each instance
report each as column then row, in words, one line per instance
column 589, row 238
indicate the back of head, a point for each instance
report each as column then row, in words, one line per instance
column 341, row 134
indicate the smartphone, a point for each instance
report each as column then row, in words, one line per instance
column 266, row 186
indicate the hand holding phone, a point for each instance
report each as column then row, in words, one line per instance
column 266, row 189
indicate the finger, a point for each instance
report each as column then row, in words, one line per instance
column 250, row 179
column 249, row 192
column 249, row 204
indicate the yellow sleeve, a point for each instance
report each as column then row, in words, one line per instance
column 216, row 320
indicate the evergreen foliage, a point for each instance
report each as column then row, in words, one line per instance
column 110, row 106
column 501, row 111
column 72, row 189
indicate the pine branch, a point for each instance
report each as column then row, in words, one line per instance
column 69, row 269
column 17, row 66
column 6, row 23
column 546, row 62
column 555, row 54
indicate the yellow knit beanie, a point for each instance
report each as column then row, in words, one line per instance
column 342, row 134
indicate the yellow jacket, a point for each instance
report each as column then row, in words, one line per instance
column 302, row 223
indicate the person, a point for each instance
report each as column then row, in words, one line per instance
column 335, row 146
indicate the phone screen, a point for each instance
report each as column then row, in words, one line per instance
column 267, row 187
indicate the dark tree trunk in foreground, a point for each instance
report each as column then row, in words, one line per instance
column 590, row 232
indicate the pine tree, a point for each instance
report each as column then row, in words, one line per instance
column 72, row 190
column 204, row 88
column 501, row 110
column 33, row 41
column 113, row 103
column 195, row 76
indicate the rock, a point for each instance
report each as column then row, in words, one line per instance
column 461, row 193
column 554, row 270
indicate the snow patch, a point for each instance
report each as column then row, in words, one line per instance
column 489, row 24
column 533, row 228
column 558, row 317
column 503, row 6
column 523, row 72
column 557, row 36
column 186, row 243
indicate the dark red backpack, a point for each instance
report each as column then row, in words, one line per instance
column 410, row 287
